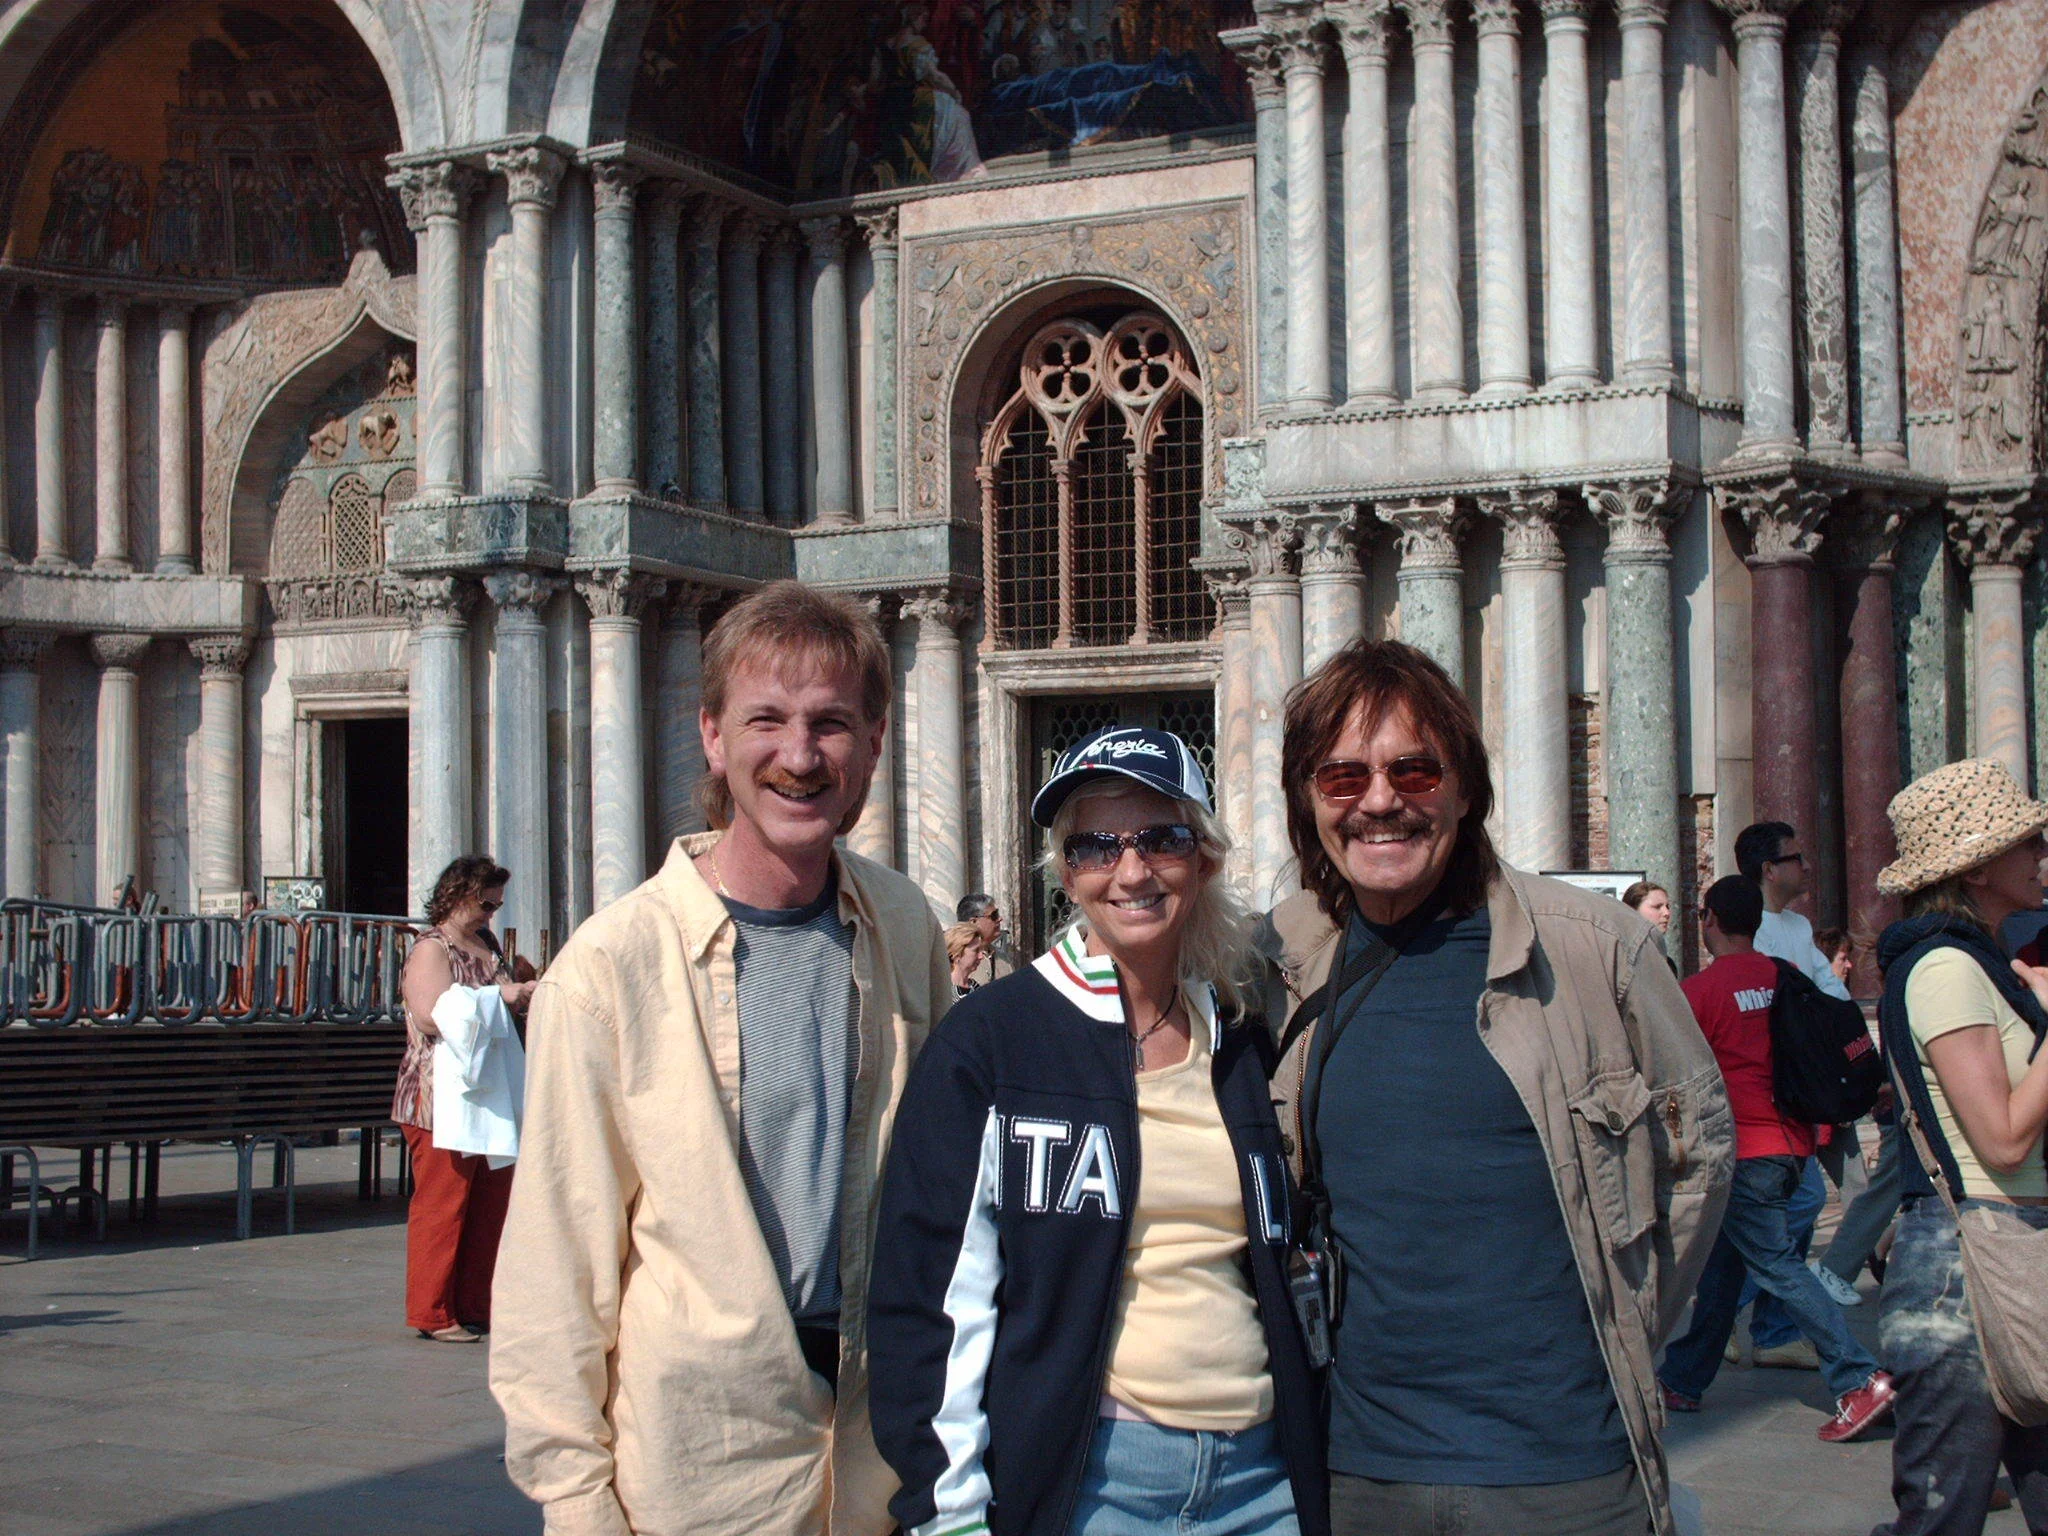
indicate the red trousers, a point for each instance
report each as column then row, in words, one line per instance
column 451, row 1234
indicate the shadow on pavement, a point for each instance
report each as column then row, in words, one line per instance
column 56, row 1320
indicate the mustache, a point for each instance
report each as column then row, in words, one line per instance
column 1360, row 824
column 798, row 783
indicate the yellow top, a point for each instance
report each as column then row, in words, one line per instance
column 1187, row 1350
column 1949, row 991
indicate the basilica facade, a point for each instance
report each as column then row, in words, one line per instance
column 392, row 394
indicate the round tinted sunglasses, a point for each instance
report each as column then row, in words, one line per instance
column 1347, row 780
column 1171, row 842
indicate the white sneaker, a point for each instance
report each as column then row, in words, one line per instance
column 1840, row 1291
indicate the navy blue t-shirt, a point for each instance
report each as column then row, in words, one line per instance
column 1466, row 1353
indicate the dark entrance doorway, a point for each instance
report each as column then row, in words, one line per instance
column 365, row 811
column 1060, row 721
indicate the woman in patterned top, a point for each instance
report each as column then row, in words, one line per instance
column 458, row 1201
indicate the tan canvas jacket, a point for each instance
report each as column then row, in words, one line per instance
column 1585, row 1017
column 640, row 1348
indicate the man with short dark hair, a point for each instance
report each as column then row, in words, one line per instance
column 1768, row 853
column 1513, row 1140
column 998, row 959
column 1731, row 998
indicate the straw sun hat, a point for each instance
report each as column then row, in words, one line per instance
column 1954, row 819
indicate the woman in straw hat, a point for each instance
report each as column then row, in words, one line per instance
column 1962, row 1025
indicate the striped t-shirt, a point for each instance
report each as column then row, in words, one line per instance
column 799, row 1050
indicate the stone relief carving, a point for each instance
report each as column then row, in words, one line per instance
column 1185, row 260
column 378, row 432
column 1999, row 399
column 269, row 340
column 333, row 599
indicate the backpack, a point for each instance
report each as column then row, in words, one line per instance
column 1825, row 1068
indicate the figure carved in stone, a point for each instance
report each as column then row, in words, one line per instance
column 329, row 438
column 378, row 432
column 2005, row 234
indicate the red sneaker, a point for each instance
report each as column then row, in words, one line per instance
column 1858, row 1411
column 1678, row 1402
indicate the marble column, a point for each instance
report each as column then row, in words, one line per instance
column 664, row 362
column 53, row 532
column 1641, row 721
column 831, row 410
column 532, row 177
column 519, row 750
column 618, row 772
column 110, row 436
column 1258, row 50
column 1431, row 578
column 1361, row 27
column 1303, row 56
column 1783, row 518
column 1882, row 424
column 739, row 313
column 1571, row 344
column 615, row 329
column 1438, row 326
column 21, row 737
column 438, row 719
column 874, row 835
column 217, row 859
column 880, row 231
column 1817, row 202
column 1236, row 721
column 1536, row 800
column 1645, row 199
column 174, row 440
column 1994, row 534
column 678, row 691
column 1863, row 543
column 704, row 354
column 7, row 292
column 117, row 785
column 1332, row 584
column 785, row 391
column 1764, row 227
column 941, row 775
column 1502, row 242
column 1273, row 586
column 436, row 199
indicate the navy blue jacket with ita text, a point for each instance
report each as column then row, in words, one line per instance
column 1000, row 1249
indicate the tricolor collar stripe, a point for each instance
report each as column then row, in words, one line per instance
column 1084, row 980
column 1093, row 973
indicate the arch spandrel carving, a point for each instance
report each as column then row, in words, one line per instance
column 1185, row 262
column 1999, row 354
column 273, row 358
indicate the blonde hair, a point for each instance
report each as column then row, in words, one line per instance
column 1947, row 898
column 1216, row 944
column 958, row 939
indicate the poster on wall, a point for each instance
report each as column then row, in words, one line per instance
column 1607, row 882
column 295, row 893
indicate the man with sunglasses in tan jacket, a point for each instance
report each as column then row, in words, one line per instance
column 1514, row 1143
column 680, row 1307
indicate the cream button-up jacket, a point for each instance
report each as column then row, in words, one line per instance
column 641, row 1349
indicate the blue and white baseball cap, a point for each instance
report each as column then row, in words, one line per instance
column 1156, row 759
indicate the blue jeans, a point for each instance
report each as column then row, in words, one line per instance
column 1145, row 1478
column 1770, row 1325
column 1754, row 1236
column 1869, row 1214
column 1951, row 1437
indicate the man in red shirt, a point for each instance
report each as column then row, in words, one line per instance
column 1731, row 998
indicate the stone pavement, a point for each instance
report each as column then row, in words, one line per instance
column 174, row 1382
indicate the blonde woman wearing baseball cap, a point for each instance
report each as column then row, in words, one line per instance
column 1962, row 1025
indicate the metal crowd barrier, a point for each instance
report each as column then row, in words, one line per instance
column 62, row 965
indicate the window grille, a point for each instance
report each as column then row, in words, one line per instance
column 353, row 520
column 298, row 538
column 1091, row 490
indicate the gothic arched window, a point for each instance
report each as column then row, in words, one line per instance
column 1091, row 476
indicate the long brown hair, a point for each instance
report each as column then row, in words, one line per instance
column 1370, row 679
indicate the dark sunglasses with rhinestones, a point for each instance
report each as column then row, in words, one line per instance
column 1170, row 842
column 1345, row 779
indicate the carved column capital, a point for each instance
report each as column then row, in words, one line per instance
column 685, row 599
column 1644, row 13
column 1302, row 38
column 120, row 652
column 1497, row 18
column 1757, row 18
column 783, row 245
column 112, row 309
column 1638, row 515
column 665, row 200
column 614, row 187
column 1987, row 528
column 619, row 594
column 1429, row 22
column 22, row 649
column 704, row 221
column 826, row 238
column 878, row 228
column 1529, row 519
column 745, row 233
column 1783, row 517
column 882, row 607
column 522, row 594
column 1329, row 542
column 1232, row 595
column 1361, row 28
column 532, row 175
column 1864, row 534
column 431, row 601
column 1565, row 12
column 441, row 190
column 1429, row 529
column 220, row 656
column 1269, row 546
column 937, row 609
column 1258, row 51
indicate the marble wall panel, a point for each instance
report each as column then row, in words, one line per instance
column 1702, row 153
column 1927, row 617
column 18, row 422
column 171, row 772
column 70, row 695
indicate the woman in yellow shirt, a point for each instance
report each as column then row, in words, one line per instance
column 1962, row 1027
